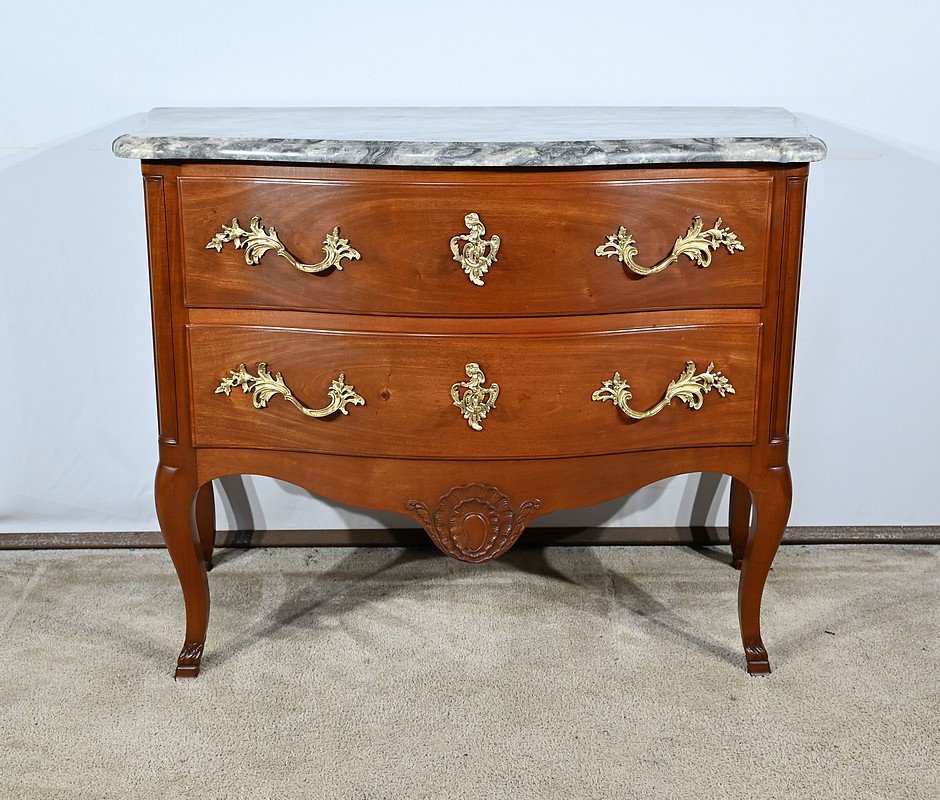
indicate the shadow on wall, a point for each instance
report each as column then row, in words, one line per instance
column 864, row 425
column 243, row 508
column 79, row 427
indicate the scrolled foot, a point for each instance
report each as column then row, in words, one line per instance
column 190, row 659
column 757, row 661
column 737, row 563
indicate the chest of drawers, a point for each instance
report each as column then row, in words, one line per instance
column 476, row 329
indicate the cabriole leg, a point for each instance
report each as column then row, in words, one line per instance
column 175, row 495
column 772, row 495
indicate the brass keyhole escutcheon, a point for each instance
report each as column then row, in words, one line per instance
column 478, row 254
column 476, row 401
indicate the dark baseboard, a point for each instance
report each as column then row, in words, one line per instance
column 536, row 536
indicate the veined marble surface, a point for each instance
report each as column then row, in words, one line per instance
column 525, row 136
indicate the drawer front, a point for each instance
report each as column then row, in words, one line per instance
column 549, row 225
column 552, row 398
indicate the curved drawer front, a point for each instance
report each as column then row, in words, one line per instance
column 473, row 397
column 568, row 242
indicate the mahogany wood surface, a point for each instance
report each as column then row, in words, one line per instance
column 401, row 222
column 546, row 381
column 550, row 323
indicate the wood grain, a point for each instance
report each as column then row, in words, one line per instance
column 549, row 223
column 544, row 408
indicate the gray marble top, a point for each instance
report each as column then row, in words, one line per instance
column 525, row 136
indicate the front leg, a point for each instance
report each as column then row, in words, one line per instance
column 175, row 495
column 772, row 493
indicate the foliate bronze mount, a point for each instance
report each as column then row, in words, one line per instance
column 697, row 245
column 688, row 388
column 476, row 401
column 265, row 385
column 478, row 254
column 257, row 241
column 475, row 522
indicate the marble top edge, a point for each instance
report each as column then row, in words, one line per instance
column 473, row 136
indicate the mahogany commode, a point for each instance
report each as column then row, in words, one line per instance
column 507, row 313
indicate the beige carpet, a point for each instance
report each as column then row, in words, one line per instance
column 561, row 673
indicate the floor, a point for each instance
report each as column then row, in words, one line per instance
column 387, row 673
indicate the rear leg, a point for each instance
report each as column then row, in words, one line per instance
column 205, row 522
column 739, row 521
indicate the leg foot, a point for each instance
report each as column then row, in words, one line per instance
column 772, row 494
column 757, row 661
column 190, row 658
column 175, row 495
column 739, row 521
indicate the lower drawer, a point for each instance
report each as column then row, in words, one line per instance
column 551, row 398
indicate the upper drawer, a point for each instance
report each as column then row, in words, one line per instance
column 550, row 225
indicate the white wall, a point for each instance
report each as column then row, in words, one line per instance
column 77, row 429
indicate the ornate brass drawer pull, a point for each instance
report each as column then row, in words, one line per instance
column 256, row 242
column 474, row 258
column 476, row 401
column 688, row 387
column 264, row 386
column 696, row 244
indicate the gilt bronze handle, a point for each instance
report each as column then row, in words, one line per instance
column 257, row 241
column 264, row 386
column 697, row 245
column 689, row 388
